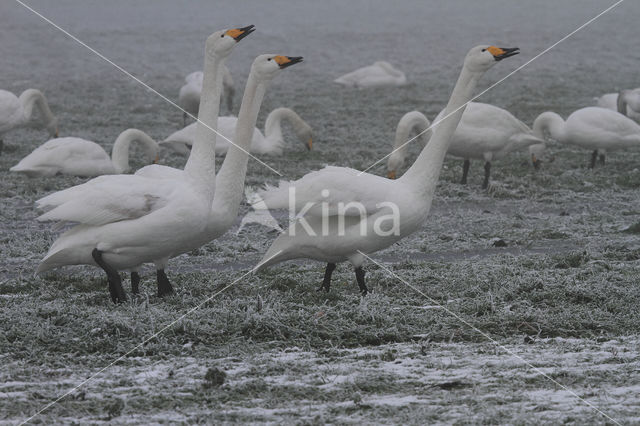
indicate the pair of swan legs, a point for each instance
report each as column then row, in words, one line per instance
column 115, row 282
column 326, row 283
column 594, row 156
column 465, row 172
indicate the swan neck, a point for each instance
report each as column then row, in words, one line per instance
column 622, row 102
column 412, row 120
column 32, row 99
column 201, row 165
column 549, row 125
column 424, row 173
column 122, row 145
column 230, row 179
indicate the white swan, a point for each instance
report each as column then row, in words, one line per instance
column 626, row 102
column 189, row 95
column 380, row 74
column 344, row 215
column 485, row 132
column 80, row 157
column 272, row 142
column 593, row 128
column 19, row 112
column 127, row 220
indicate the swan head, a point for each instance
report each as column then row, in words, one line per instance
column 304, row 133
column 395, row 163
column 52, row 128
column 222, row 42
column 265, row 67
column 481, row 58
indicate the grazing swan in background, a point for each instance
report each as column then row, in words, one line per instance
column 485, row 132
column 271, row 142
column 189, row 96
column 594, row 128
column 80, row 157
column 19, row 112
column 410, row 121
column 345, row 215
column 127, row 220
column 626, row 102
column 379, row 74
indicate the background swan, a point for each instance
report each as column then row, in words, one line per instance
column 485, row 132
column 379, row 74
column 19, row 112
column 127, row 220
column 343, row 214
column 80, row 157
column 189, row 95
column 594, row 128
column 626, row 102
column 272, row 142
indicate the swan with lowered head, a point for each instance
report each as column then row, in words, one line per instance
column 19, row 112
column 626, row 102
column 345, row 215
column 271, row 142
column 593, row 128
column 189, row 95
column 485, row 132
column 379, row 74
column 80, row 157
column 127, row 220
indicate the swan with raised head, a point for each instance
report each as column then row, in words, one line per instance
column 345, row 215
column 127, row 220
column 485, row 132
column 593, row 128
column 22, row 111
column 189, row 95
column 379, row 74
column 271, row 142
column 626, row 102
column 80, row 157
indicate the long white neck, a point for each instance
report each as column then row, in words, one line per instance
column 230, row 179
column 425, row 171
column 201, row 165
column 408, row 122
column 622, row 102
column 32, row 99
column 273, row 139
column 549, row 124
column 120, row 152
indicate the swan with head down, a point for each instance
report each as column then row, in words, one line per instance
column 29, row 110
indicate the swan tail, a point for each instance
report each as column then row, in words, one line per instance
column 277, row 253
column 62, row 257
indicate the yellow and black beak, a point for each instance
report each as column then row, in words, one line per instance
column 500, row 53
column 287, row 61
column 57, row 134
column 157, row 159
column 391, row 174
column 310, row 144
column 240, row 33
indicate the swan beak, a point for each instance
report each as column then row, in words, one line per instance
column 535, row 161
column 391, row 174
column 287, row 61
column 500, row 53
column 310, row 144
column 240, row 33
column 157, row 159
column 57, row 136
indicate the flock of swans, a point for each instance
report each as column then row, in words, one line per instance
column 123, row 221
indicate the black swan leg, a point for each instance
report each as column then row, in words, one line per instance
column 594, row 156
column 487, row 173
column 602, row 156
column 465, row 171
column 326, row 282
column 115, row 282
column 360, row 279
column 164, row 286
column 135, row 280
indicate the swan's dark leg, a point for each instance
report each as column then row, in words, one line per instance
column 602, row 159
column 1, row 146
column 115, row 283
column 593, row 158
column 487, row 173
column 465, row 171
column 326, row 283
column 164, row 286
column 360, row 279
column 230, row 93
column 184, row 119
column 536, row 162
column 135, row 280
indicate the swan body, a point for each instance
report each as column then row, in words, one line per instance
column 485, row 132
column 379, row 74
column 344, row 215
column 189, row 95
column 22, row 111
column 626, row 102
column 593, row 128
column 271, row 142
column 80, row 157
column 127, row 220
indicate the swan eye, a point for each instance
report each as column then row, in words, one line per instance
column 269, row 59
column 222, row 36
column 484, row 50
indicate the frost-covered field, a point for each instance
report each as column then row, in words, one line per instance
column 561, row 292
